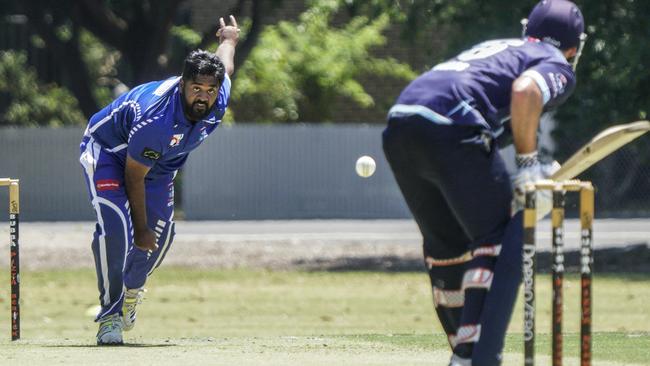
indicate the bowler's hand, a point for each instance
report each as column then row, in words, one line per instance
column 228, row 32
column 145, row 240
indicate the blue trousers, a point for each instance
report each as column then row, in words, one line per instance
column 120, row 264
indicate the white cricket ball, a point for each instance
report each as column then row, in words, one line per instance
column 365, row 166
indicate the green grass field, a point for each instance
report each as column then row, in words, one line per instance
column 244, row 317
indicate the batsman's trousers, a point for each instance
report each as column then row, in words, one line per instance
column 458, row 189
column 454, row 182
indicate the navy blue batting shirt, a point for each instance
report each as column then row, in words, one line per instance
column 148, row 123
column 474, row 87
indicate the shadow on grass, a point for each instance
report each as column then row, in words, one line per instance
column 125, row 345
column 351, row 264
column 630, row 259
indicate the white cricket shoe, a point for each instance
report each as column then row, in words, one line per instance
column 458, row 361
column 110, row 331
column 132, row 298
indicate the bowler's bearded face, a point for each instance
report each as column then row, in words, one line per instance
column 199, row 96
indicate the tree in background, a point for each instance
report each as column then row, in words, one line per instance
column 101, row 48
column 142, row 36
column 443, row 28
column 614, row 72
column 97, row 45
column 299, row 69
column 613, row 87
column 24, row 102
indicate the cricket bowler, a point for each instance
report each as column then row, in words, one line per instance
column 130, row 153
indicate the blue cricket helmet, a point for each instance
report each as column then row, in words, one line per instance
column 558, row 22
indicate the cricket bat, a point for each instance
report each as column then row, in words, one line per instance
column 603, row 144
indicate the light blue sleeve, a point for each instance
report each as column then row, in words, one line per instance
column 556, row 81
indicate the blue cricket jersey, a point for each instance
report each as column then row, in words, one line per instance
column 148, row 124
column 474, row 88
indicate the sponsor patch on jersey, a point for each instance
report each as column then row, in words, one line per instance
column 107, row 185
column 150, row 154
column 176, row 140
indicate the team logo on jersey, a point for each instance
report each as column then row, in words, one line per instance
column 150, row 154
column 204, row 134
column 176, row 140
column 561, row 81
column 558, row 82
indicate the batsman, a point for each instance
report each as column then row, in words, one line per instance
column 441, row 143
column 130, row 153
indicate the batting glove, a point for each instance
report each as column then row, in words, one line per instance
column 531, row 170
